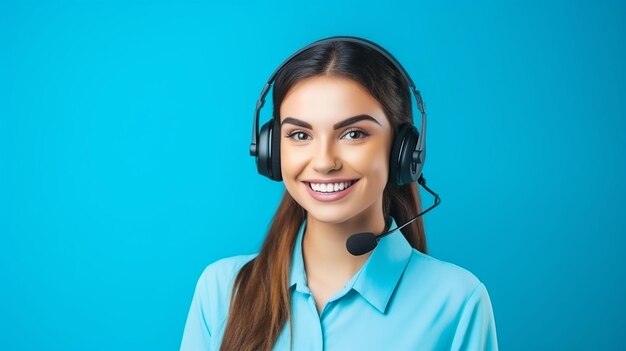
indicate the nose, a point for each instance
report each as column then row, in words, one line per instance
column 325, row 158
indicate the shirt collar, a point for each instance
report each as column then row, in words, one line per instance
column 378, row 277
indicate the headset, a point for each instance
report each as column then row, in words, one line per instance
column 408, row 151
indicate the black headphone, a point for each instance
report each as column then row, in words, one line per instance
column 408, row 151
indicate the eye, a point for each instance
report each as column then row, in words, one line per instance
column 354, row 134
column 298, row 136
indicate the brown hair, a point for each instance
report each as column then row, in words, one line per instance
column 260, row 304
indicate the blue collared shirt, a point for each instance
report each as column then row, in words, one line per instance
column 401, row 299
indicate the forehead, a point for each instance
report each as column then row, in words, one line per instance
column 326, row 99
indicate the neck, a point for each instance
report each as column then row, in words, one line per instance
column 324, row 246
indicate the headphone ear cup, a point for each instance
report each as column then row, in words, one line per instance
column 268, row 156
column 402, row 169
column 277, row 174
column 263, row 151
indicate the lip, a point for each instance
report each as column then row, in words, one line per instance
column 329, row 197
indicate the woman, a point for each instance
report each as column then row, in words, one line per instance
column 338, row 139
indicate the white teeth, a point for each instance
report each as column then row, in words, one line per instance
column 330, row 187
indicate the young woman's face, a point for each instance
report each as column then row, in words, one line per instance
column 335, row 145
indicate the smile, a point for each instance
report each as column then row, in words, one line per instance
column 330, row 191
column 331, row 187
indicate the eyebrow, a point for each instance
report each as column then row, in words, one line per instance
column 346, row 122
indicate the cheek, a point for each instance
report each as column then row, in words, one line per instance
column 291, row 161
column 370, row 161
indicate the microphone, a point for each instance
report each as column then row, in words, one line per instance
column 362, row 243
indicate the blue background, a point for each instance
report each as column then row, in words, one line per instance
column 124, row 167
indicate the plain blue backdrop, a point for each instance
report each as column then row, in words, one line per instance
column 124, row 167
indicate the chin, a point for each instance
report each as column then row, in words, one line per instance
column 337, row 213
column 330, row 215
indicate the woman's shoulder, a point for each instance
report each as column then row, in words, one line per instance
column 450, row 300
column 211, row 299
column 214, row 287
column 446, row 278
column 224, row 270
